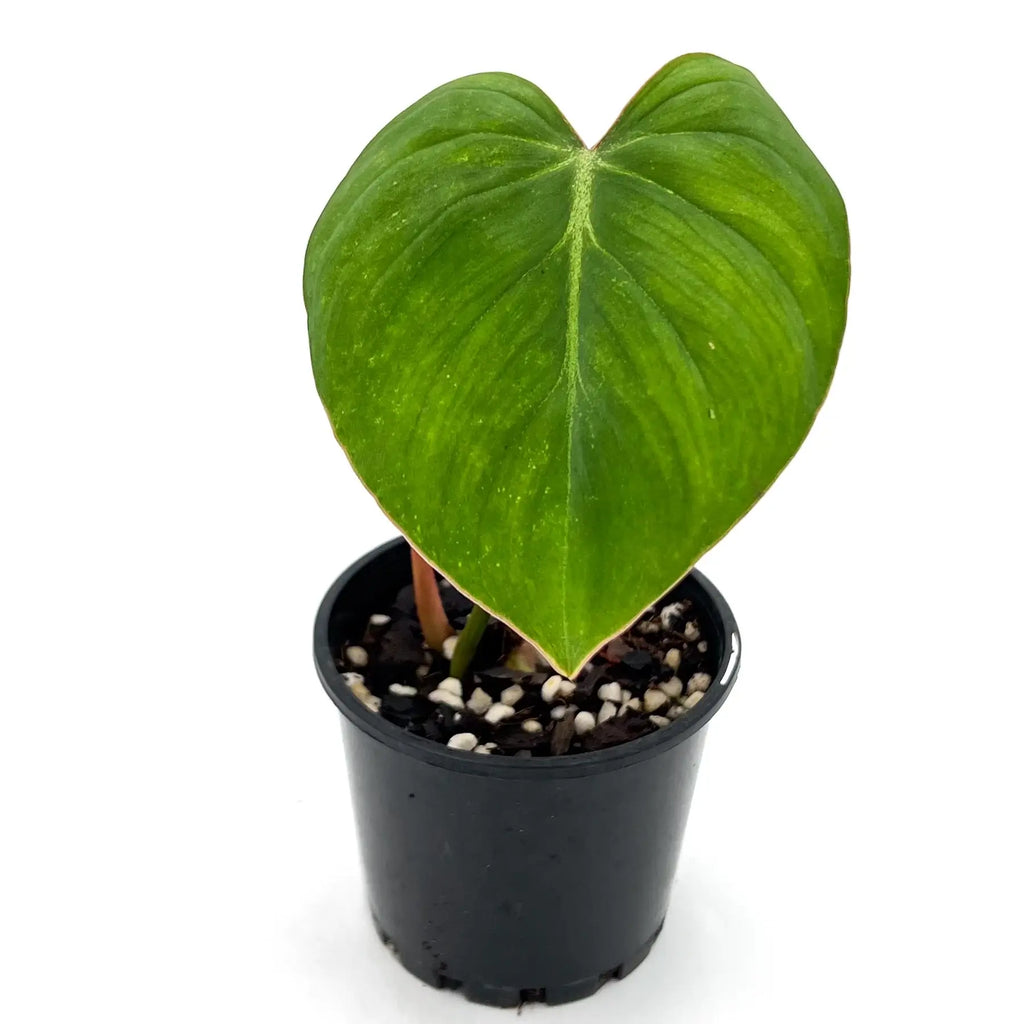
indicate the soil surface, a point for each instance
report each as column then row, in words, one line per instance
column 646, row 679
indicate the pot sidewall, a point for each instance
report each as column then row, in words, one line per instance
column 512, row 878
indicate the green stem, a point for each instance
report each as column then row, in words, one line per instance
column 469, row 640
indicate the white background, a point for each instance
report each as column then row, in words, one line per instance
column 177, row 837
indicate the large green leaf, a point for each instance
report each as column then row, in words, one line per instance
column 565, row 373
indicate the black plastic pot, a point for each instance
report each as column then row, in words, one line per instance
column 514, row 879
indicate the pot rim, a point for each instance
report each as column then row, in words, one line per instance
column 423, row 749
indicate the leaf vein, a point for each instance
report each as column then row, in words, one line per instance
column 806, row 341
column 452, row 349
column 677, row 95
column 576, row 231
column 444, row 213
column 663, row 315
column 726, row 134
column 357, row 200
column 521, row 102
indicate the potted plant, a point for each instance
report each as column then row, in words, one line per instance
column 564, row 373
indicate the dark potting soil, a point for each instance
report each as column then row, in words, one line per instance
column 646, row 679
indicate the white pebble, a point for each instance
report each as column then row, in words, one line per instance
column 481, row 750
column 608, row 710
column 487, row 747
column 699, row 682
column 401, row 690
column 448, row 647
column 660, row 721
column 671, row 614
column 673, row 687
column 703, row 647
column 627, row 695
column 422, row 671
column 672, row 658
column 354, row 681
column 550, row 690
column 512, row 695
column 479, row 701
column 584, row 723
column 558, row 713
column 357, row 656
column 462, row 741
column 498, row 713
column 379, row 620
column 675, row 711
column 531, row 725
column 633, row 704
column 446, row 697
column 691, row 631
column 650, row 627
column 566, row 688
column 610, row 691
column 654, row 700
column 452, row 685
column 692, row 700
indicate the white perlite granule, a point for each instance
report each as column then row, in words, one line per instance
column 446, row 697
column 452, row 685
column 401, row 690
column 699, row 681
column 479, row 701
column 357, row 656
column 584, row 723
column 498, row 713
column 512, row 695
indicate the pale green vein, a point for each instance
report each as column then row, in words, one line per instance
column 659, row 311
column 443, row 214
column 644, row 115
column 561, row 145
column 577, row 230
column 802, row 338
column 454, row 345
column 747, row 138
column 368, row 190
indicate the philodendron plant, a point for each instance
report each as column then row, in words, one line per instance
column 566, row 372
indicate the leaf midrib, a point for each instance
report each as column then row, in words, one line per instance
column 576, row 230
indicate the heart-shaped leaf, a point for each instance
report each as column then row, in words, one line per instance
column 565, row 373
